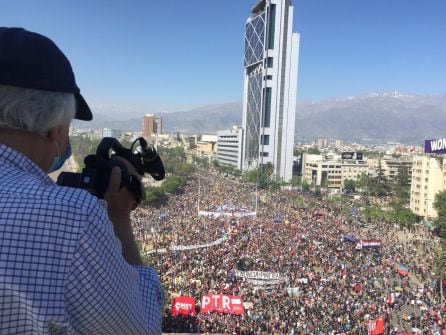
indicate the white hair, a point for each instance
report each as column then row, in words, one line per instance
column 36, row 111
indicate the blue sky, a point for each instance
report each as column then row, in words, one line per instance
column 176, row 54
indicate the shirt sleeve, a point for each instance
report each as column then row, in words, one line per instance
column 106, row 295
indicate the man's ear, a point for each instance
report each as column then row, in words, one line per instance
column 56, row 133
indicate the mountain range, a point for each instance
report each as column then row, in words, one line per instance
column 407, row 118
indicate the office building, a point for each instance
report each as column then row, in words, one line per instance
column 331, row 171
column 270, row 85
column 152, row 125
column 428, row 178
column 391, row 167
column 229, row 147
column 322, row 143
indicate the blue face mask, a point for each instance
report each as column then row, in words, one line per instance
column 60, row 160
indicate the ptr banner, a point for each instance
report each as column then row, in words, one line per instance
column 221, row 303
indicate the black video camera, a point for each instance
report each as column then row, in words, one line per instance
column 96, row 174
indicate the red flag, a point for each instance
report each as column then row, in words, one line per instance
column 183, row 306
column 376, row 327
column 391, row 299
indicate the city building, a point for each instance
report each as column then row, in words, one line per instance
column 191, row 141
column 428, row 178
column 208, row 138
column 207, row 146
column 116, row 133
column 206, row 149
column 390, row 167
column 270, row 85
column 352, row 169
column 229, row 147
column 331, row 171
column 151, row 125
column 322, row 143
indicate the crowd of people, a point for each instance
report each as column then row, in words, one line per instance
column 335, row 288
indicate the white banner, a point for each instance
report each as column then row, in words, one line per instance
column 257, row 275
column 260, row 278
column 187, row 247
column 302, row 280
column 264, row 282
column 198, row 246
column 294, row 291
column 218, row 214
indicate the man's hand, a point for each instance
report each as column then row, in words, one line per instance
column 120, row 202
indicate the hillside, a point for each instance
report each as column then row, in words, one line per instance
column 391, row 115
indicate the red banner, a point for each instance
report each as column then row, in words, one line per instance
column 376, row 327
column 183, row 306
column 222, row 303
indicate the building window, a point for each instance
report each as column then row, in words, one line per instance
column 271, row 23
column 264, row 139
column 264, row 154
column 269, row 77
column 269, row 62
column 267, row 109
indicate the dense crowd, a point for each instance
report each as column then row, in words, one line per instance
column 337, row 288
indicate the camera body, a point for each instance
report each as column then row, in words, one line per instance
column 96, row 174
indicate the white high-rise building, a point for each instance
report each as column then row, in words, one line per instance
column 270, row 85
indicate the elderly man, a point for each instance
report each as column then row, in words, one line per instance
column 69, row 263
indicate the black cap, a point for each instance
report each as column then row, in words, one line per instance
column 30, row 60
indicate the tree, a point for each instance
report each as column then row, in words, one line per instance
column 379, row 185
column 81, row 147
column 440, row 266
column 296, row 181
column 440, row 206
column 297, row 152
column 305, row 185
column 402, row 184
column 257, row 176
column 373, row 213
column 402, row 179
column 440, row 222
column 349, row 185
column 373, row 153
column 274, row 183
column 363, row 182
column 314, row 151
column 173, row 184
column 155, row 197
column 401, row 215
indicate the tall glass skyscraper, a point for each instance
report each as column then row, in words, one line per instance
column 270, row 85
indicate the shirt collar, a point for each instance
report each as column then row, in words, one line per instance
column 15, row 159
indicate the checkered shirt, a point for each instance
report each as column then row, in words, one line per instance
column 61, row 266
